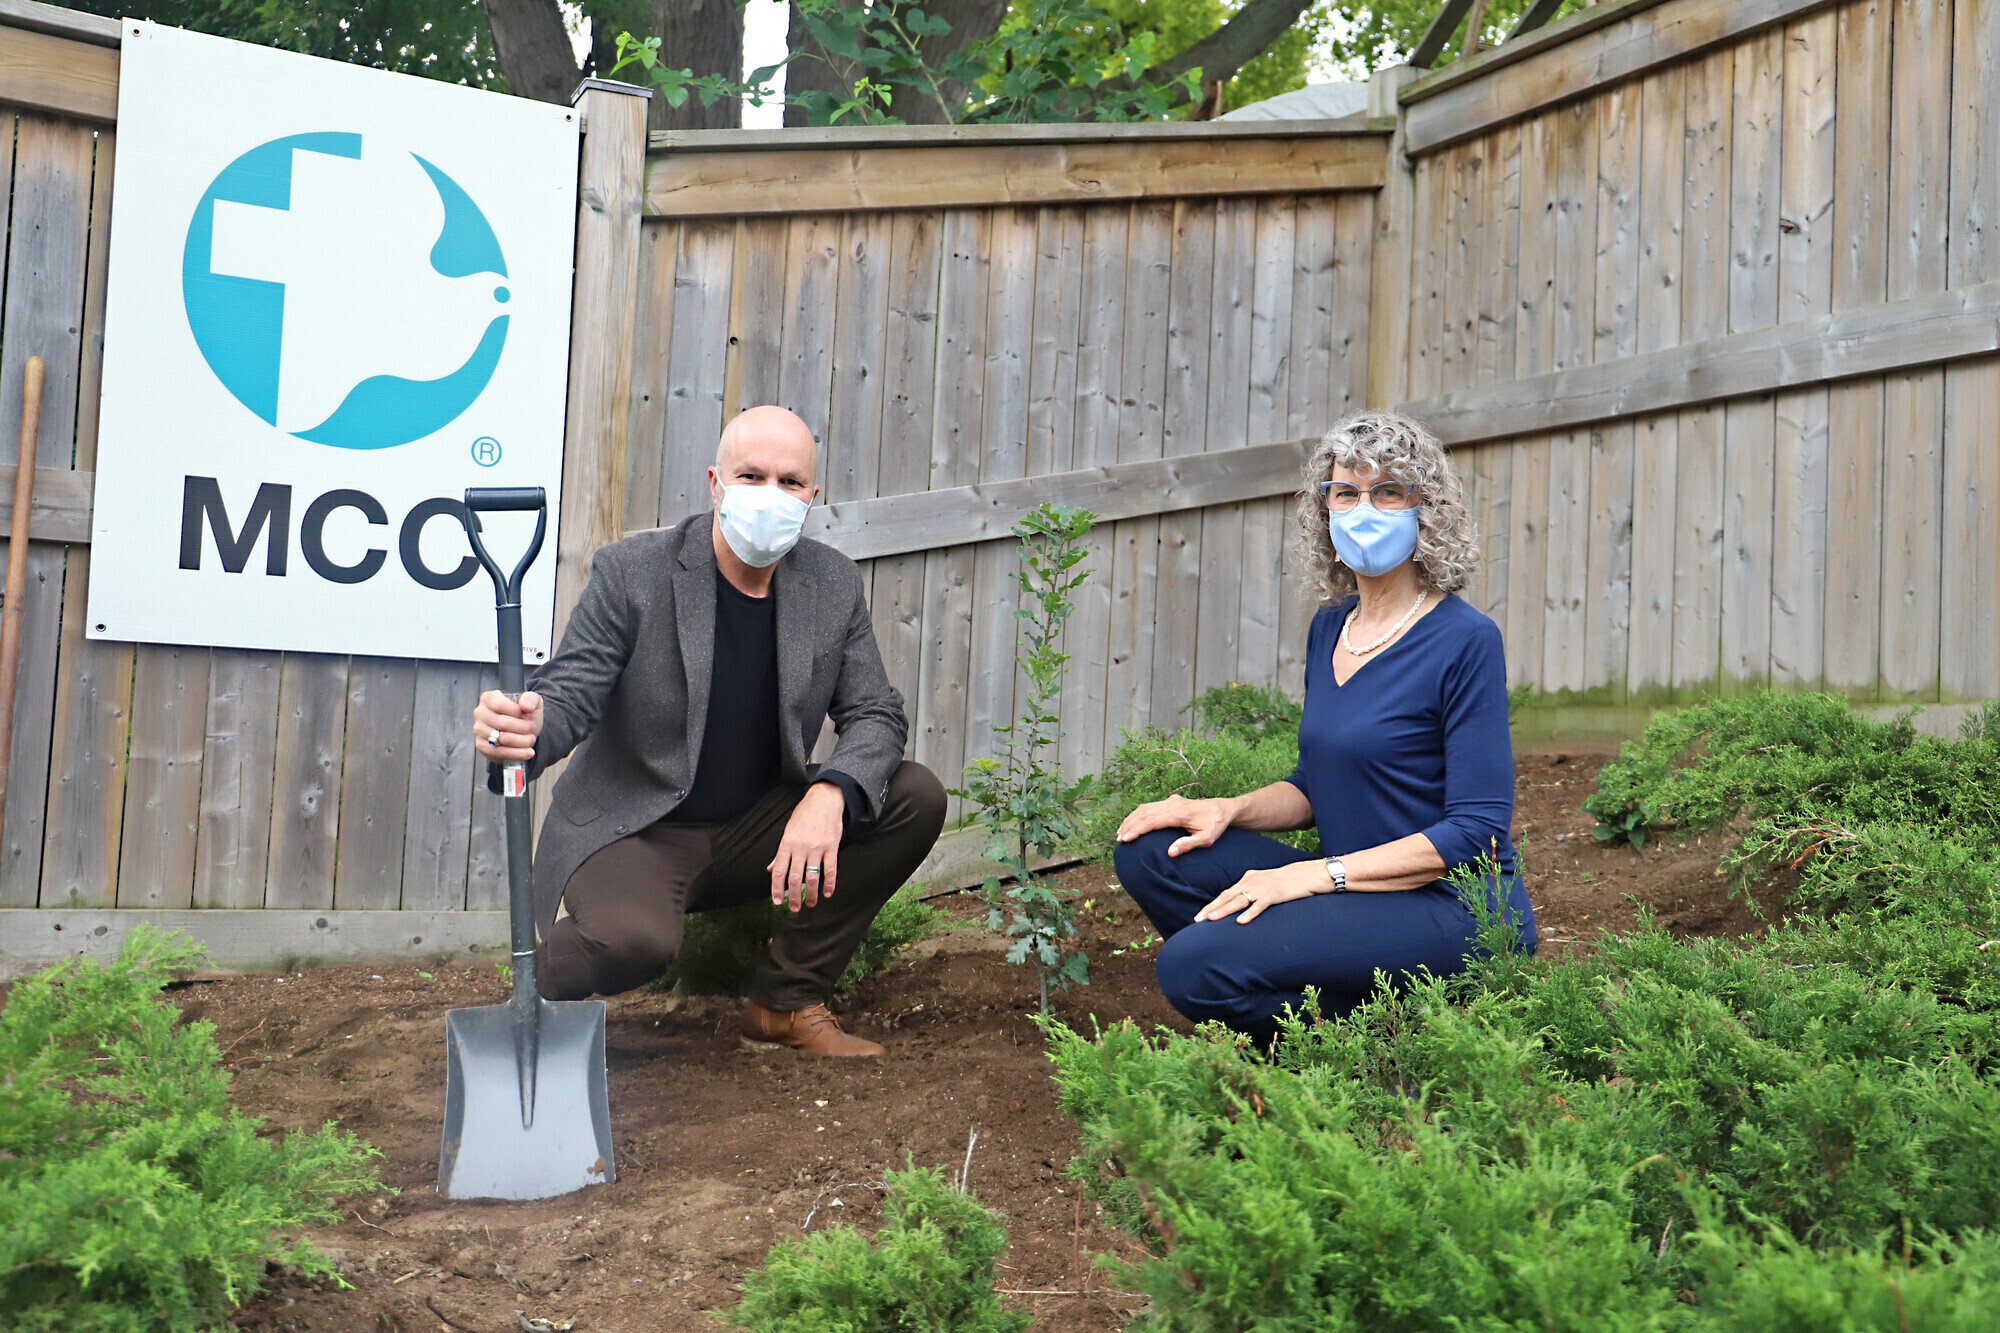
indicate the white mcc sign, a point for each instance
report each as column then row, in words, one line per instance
column 337, row 298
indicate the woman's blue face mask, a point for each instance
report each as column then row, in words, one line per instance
column 1371, row 541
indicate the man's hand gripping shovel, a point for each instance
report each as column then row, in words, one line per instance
column 526, row 1115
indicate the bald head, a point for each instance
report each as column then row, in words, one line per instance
column 773, row 438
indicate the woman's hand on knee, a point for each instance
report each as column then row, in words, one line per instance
column 1204, row 821
column 1259, row 889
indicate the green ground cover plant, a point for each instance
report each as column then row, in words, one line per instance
column 1798, row 1131
column 929, row 1269
column 132, row 1195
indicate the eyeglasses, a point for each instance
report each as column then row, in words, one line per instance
column 1341, row 496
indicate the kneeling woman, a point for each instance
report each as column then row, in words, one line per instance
column 1405, row 765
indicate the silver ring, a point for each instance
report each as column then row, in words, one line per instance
column 812, row 870
column 493, row 736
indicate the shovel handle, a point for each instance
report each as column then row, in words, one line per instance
column 507, row 587
column 526, row 1020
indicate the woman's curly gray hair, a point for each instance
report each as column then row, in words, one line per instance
column 1385, row 445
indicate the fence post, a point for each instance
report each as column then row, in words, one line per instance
column 1389, row 294
column 604, row 309
column 611, row 186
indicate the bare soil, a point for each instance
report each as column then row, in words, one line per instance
column 721, row 1153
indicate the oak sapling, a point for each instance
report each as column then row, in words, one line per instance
column 1025, row 802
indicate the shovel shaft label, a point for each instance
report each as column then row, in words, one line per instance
column 514, row 780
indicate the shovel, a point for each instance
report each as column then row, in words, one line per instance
column 525, row 1111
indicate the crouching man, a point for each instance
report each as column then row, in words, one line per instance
column 691, row 683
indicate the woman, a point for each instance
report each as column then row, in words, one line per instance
column 1405, row 765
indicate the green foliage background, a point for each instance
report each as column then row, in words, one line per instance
column 132, row 1195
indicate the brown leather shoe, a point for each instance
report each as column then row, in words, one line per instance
column 813, row 1029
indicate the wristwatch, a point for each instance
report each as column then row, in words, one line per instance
column 1338, row 873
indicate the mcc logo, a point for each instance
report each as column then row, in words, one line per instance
column 348, row 299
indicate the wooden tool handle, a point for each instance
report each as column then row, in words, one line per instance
column 17, row 568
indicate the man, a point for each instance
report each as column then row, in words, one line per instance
column 691, row 682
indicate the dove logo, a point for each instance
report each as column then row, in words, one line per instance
column 349, row 294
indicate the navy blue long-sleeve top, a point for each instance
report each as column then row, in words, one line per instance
column 1416, row 741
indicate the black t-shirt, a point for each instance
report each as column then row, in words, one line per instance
column 739, row 742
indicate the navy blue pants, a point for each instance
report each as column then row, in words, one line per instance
column 1245, row 975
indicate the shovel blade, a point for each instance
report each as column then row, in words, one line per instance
column 487, row 1154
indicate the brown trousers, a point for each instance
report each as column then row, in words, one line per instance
column 627, row 902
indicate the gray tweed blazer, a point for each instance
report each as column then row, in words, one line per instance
column 627, row 690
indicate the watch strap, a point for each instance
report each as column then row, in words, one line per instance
column 1337, row 873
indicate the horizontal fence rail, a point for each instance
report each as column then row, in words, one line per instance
column 964, row 515
column 1902, row 335
column 873, row 171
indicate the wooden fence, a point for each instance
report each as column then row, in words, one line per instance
column 1139, row 323
column 1704, row 295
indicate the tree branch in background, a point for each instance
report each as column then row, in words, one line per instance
column 534, row 50
column 814, row 69
column 1233, row 45
column 972, row 22
column 704, row 37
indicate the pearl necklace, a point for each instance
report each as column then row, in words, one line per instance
column 1346, row 627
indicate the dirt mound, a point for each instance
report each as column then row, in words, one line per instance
column 721, row 1153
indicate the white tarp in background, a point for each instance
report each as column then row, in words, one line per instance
column 337, row 298
column 1315, row 101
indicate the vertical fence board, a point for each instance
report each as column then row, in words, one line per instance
column 1913, row 401
column 86, row 802
column 1573, row 296
column 1058, row 308
column 909, row 362
column 443, row 764
column 47, row 257
column 239, row 754
column 697, row 366
column 1749, row 424
column 1128, row 686
column 486, row 840
column 1426, row 277
column 955, row 445
column 163, row 776
column 1969, row 646
column 1705, row 287
column 1607, row 615
column 1314, row 319
column 652, row 351
column 1003, row 456
column 1805, row 290
column 1851, row 635
column 312, row 729
column 853, row 449
column 1527, row 558
column 375, row 782
column 805, row 340
column 1271, row 346
column 759, row 271
column 1231, row 312
column 1183, row 430
column 1656, row 440
column 1099, row 363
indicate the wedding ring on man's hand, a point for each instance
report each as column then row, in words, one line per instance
column 812, row 870
column 493, row 736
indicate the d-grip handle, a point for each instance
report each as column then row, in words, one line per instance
column 507, row 587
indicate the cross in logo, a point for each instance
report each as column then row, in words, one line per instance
column 486, row 451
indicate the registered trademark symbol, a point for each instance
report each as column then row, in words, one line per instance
column 486, row 451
